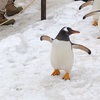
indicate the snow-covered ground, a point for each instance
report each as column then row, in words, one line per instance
column 25, row 68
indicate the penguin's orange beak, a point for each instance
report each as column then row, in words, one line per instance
column 75, row 32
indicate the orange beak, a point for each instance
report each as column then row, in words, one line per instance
column 75, row 32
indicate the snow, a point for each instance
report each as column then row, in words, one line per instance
column 25, row 68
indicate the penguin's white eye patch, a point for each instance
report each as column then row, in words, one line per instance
column 65, row 29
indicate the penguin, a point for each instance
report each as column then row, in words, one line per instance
column 62, row 51
column 94, row 13
column 96, row 6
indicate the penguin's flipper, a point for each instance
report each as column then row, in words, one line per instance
column 85, row 4
column 78, row 46
column 47, row 38
column 91, row 13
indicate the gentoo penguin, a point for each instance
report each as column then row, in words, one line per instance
column 94, row 13
column 62, row 51
column 96, row 6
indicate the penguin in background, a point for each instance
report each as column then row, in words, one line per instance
column 95, row 7
column 94, row 13
column 62, row 51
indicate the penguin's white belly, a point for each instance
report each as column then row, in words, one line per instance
column 96, row 6
column 62, row 55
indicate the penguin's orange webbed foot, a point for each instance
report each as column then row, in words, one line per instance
column 66, row 76
column 56, row 72
column 95, row 23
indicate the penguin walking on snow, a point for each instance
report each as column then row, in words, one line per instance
column 95, row 7
column 94, row 13
column 62, row 51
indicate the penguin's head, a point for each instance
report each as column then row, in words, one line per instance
column 65, row 32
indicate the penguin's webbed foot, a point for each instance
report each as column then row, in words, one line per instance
column 66, row 76
column 56, row 72
column 98, row 37
column 95, row 23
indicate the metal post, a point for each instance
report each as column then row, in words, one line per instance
column 43, row 9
